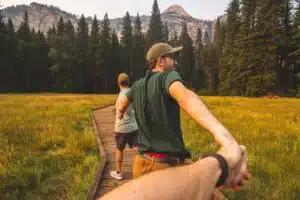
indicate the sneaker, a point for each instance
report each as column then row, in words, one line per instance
column 116, row 175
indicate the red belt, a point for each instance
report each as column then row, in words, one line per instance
column 156, row 155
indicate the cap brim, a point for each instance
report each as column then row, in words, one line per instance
column 176, row 49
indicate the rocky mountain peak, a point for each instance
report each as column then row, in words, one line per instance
column 178, row 10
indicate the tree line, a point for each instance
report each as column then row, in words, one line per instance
column 255, row 51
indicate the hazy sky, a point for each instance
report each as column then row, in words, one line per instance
column 203, row 9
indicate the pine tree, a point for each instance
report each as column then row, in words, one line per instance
column 24, row 56
column 187, row 63
column 4, row 68
column 127, row 42
column 296, row 47
column 82, row 48
column 206, row 40
column 285, row 48
column 105, row 49
column 139, row 62
column 266, row 36
column 40, row 62
column 155, row 31
column 60, row 27
column 95, row 55
column 229, row 58
column 198, row 82
column 165, row 32
column 11, row 52
column 245, row 44
column 116, row 60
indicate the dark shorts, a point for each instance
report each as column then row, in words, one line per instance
column 125, row 138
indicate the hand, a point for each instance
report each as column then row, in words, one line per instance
column 236, row 158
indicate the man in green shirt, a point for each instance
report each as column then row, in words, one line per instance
column 157, row 99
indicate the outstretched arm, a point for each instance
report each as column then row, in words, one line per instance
column 195, row 181
column 191, row 103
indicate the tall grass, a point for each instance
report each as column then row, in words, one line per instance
column 48, row 150
column 270, row 129
column 47, row 146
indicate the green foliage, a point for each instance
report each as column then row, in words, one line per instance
column 127, row 42
column 155, row 31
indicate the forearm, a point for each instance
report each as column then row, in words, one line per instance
column 196, row 181
column 194, row 106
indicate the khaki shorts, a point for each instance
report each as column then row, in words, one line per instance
column 143, row 166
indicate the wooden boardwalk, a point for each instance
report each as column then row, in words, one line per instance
column 103, row 120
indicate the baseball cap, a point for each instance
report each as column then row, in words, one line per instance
column 161, row 49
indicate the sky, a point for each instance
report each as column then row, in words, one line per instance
column 201, row 9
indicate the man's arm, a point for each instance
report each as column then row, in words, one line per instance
column 123, row 105
column 191, row 103
column 195, row 181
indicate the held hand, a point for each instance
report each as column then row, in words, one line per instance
column 236, row 158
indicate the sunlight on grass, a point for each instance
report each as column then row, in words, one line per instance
column 47, row 146
column 270, row 129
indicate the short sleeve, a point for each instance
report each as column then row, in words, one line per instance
column 171, row 77
column 129, row 93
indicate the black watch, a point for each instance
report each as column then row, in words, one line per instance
column 223, row 165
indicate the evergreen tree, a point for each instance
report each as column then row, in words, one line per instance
column 105, row 49
column 24, row 56
column 155, row 31
column 296, row 47
column 266, row 36
column 230, row 52
column 139, row 62
column 245, row 43
column 285, row 48
column 95, row 57
column 82, row 75
column 199, row 71
column 60, row 27
column 127, row 42
column 165, row 32
column 187, row 63
column 4, row 68
column 10, row 64
column 116, row 60
column 206, row 40
column 40, row 62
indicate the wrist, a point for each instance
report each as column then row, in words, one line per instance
column 221, row 168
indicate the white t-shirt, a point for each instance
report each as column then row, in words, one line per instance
column 128, row 123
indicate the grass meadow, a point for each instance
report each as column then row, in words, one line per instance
column 270, row 129
column 47, row 146
column 48, row 149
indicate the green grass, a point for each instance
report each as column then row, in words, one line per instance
column 48, row 149
column 270, row 129
column 47, row 146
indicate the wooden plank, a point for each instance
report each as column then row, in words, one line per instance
column 94, row 185
column 103, row 121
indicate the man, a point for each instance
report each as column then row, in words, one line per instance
column 125, row 129
column 157, row 100
column 195, row 181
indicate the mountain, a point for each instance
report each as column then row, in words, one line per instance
column 42, row 17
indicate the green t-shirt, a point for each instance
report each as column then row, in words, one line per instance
column 157, row 113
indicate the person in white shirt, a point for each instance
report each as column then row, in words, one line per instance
column 126, row 129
